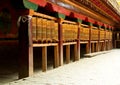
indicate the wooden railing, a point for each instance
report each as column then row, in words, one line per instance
column 45, row 29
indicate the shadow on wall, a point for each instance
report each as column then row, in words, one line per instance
column 8, row 64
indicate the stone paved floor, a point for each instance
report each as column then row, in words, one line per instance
column 99, row 70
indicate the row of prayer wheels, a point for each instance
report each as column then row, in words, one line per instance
column 46, row 30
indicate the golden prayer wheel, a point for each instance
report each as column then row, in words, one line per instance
column 34, row 29
column 39, row 29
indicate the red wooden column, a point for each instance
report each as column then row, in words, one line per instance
column 25, row 47
column 60, row 37
column 104, row 44
column 114, row 37
column 109, row 46
column 89, row 42
column 60, row 17
column 88, row 45
column 111, row 40
column 78, row 40
column 98, row 45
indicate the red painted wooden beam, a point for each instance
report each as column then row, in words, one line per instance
column 105, row 9
column 56, row 8
column 39, row 2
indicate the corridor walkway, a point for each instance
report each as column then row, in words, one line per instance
column 98, row 70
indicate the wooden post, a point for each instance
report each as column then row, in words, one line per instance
column 102, row 47
column 115, row 43
column 107, row 45
column 78, row 42
column 60, row 37
column 104, row 44
column 96, row 49
column 117, row 36
column 75, row 53
column 56, row 57
column 111, row 40
column 25, row 47
column 111, row 44
column 67, row 54
column 93, row 47
column 89, row 42
column 98, row 39
column 44, row 58
column 61, row 17
column 99, row 46
column 87, row 46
